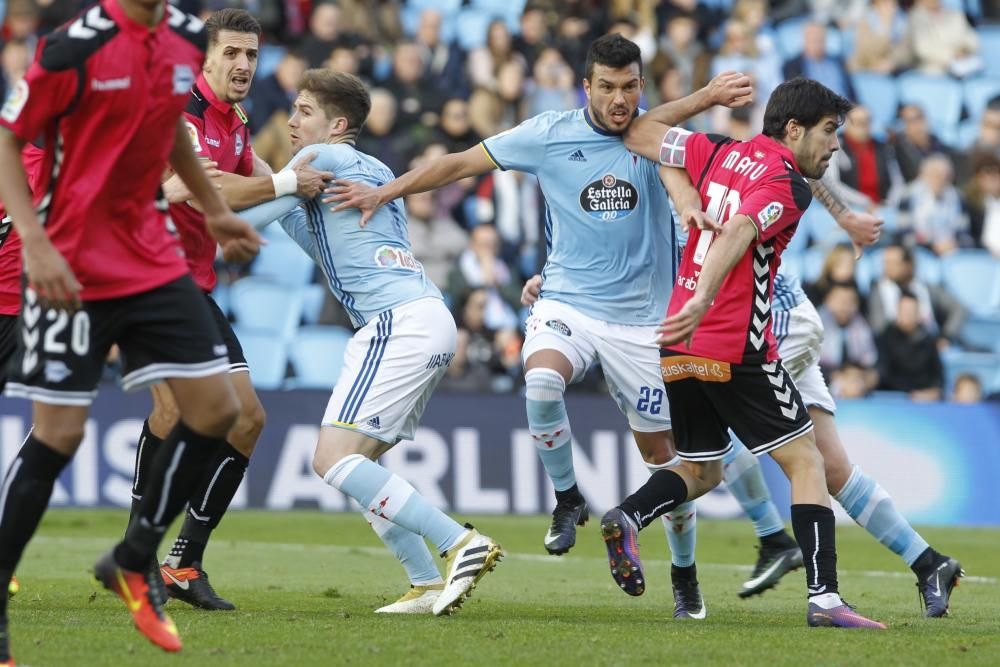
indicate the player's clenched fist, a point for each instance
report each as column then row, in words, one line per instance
column 731, row 89
column 531, row 290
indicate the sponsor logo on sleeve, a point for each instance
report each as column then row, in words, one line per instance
column 770, row 214
column 609, row 199
column 16, row 100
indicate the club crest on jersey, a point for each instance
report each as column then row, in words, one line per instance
column 16, row 100
column 239, row 145
column 388, row 257
column 183, row 79
column 609, row 198
column 770, row 214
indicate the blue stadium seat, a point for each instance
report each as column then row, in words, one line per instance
column 410, row 19
column 443, row 6
column 500, row 8
column 989, row 49
column 312, row 302
column 265, row 355
column 968, row 131
column 982, row 333
column 939, row 96
column 283, row 263
column 789, row 37
column 880, row 95
column 791, row 263
column 471, row 26
column 317, row 356
column 812, row 262
column 221, row 296
column 262, row 305
column 973, row 276
column 867, row 269
column 929, row 269
column 984, row 365
column 978, row 93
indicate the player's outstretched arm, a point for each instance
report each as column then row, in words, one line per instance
column 864, row 228
column 646, row 133
column 432, row 174
column 300, row 179
column 48, row 272
column 725, row 252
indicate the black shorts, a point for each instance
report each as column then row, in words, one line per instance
column 8, row 344
column 237, row 360
column 707, row 398
column 167, row 332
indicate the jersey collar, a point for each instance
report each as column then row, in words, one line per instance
column 208, row 94
column 127, row 25
column 595, row 127
column 776, row 146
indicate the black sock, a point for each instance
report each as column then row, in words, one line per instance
column 923, row 567
column 25, row 495
column 144, row 454
column 815, row 532
column 177, row 468
column 572, row 494
column 208, row 504
column 689, row 573
column 662, row 492
column 777, row 541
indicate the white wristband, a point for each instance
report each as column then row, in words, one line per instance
column 285, row 183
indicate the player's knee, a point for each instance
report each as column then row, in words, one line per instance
column 248, row 427
column 544, row 399
column 216, row 416
column 708, row 474
column 837, row 475
column 64, row 437
column 803, row 457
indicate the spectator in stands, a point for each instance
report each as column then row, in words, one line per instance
column 940, row 312
column 445, row 63
column 942, row 41
column 380, row 137
column 968, row 389
column 753, row 14
column 865, row 164
column 847, row 338
column 572, row 36
column 480, row 267
column 630, row 26
column 454, row 130
column 982, row 202
column 845, row 13
column 14, row 61
column 931, row 210
column 436, row 240
column 814, row 63
column 916, row 142
column 987, row 141
column 484, row 63
column 344, row 59
column 880, row 43
column 838, row 270
column 533, row 37
column 510, row 91
column 486, row 358
column 850, row 381
column 419, row 101
column 908, row 356
column 680, row 43
column 23, row 23
column 326, row 34
column 739, row 53
column 551, row 88
column 275, row 93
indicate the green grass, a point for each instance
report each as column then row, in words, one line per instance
column 306, row 584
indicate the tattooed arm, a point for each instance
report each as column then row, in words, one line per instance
column 864, row 229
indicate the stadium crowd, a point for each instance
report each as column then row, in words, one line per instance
column 919, row 315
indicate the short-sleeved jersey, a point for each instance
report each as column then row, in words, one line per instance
column 103, row 96
column 610, row 235
column 218, row 132
column 10, row 242
column 371, row 269
column 758, row 179
column 787, row 292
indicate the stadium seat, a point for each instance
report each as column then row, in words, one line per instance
column 939, row 96
column 989, row 49
column 265, row 355
column 978, row 93
column 312, row 302
column 928, row 265
column 967, row 133
column 789, row 38
column 984, row 365
column 812, row 262
column 880, row 95
column 317, row 356
column 443, row 6
column 500, row 8
column 471, row 26
column 221, row 296
column 982, row 333
column 973, row 277
column 262, row 305
column 283, row 263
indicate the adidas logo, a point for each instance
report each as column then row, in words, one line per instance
column 374, row 423
column 577, row 156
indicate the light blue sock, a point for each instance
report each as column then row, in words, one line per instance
column 549, row 425
column 680, row 525
column 391, row 497
column 745, row 481
column 867, row 503
column 409, row 549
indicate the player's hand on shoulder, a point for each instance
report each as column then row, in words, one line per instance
column 531, row 290
column 49, row 275
column 695, row 218
column 311, row 181
column 234, row 232
column 731, row 89
column 343, row 194
column 681, row 325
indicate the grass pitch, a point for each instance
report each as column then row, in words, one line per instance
column 306, row 585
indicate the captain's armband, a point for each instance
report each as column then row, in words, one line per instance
column 673, row 147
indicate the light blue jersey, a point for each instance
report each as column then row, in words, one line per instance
column 370, row 270
column 787, row 292
column 608, row 227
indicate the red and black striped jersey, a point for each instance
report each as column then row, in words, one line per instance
column 103, row 96
column 759, row 179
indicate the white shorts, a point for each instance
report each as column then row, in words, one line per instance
column 391, row 367
column 629, row 356
column 799, row 332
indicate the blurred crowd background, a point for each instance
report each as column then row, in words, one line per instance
column 917, row 318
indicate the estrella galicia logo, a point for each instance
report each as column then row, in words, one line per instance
column 609, row 198
column 560, row 326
